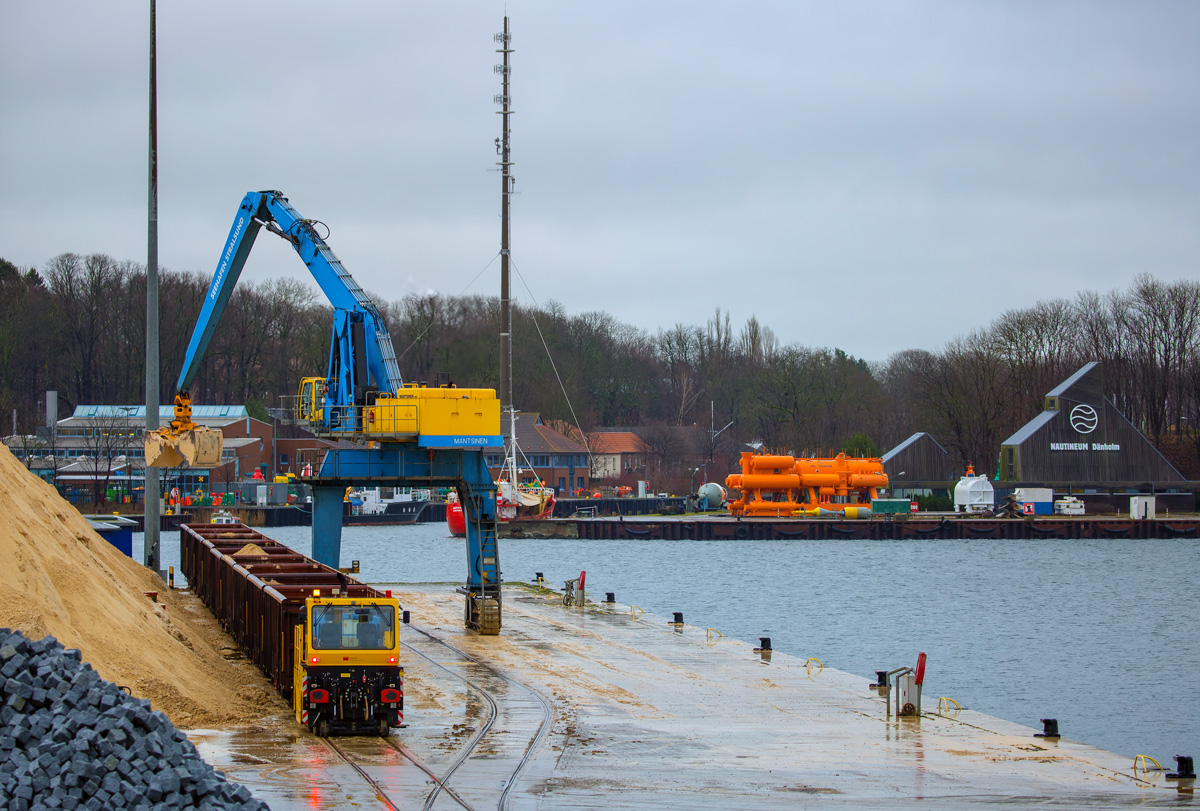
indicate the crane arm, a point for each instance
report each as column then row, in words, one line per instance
column 361, row 359
column 375, row 354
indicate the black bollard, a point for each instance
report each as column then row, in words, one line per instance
column 1184, row 769
column 609, row 597
column 678, row 618
column 880, row 679
column 1049, row 729
column 764, row 643
column 539, row 577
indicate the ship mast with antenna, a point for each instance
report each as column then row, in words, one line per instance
column 504, row 39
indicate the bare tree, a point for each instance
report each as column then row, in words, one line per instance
column 106, row 439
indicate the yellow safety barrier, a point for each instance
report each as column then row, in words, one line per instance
column 1143, row 760
column 808, row 664
column 639, row 611
column 944, row 705
column 709, row 635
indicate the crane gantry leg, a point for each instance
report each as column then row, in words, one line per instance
column 400, row 465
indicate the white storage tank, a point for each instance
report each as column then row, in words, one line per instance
column 974, row 494
column 713, row 494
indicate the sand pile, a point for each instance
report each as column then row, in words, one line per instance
column 61, row 578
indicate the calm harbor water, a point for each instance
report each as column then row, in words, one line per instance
column 1098, row 634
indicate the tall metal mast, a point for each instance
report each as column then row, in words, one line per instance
column 150, row 556
column 506, row 399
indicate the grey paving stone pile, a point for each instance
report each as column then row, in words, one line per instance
column 71, row 740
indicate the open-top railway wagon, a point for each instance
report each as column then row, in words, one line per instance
column 326, row 641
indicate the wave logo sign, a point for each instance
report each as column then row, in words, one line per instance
column 1084, row 418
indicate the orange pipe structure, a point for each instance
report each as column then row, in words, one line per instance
column 778, row 486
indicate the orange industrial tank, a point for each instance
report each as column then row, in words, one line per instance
column 779, row 463
column 810, row 485
column 770, row 481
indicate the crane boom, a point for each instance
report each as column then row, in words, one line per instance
column 350, row 302
column 362, row 394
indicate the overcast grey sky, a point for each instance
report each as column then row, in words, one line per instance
column 872, row 176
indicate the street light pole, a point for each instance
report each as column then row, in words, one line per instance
column 150, row 495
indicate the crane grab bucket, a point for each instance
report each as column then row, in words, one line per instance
column 162, row 450
column 183, row 440
column 198, row 446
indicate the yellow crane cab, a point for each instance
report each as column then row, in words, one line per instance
column 310, row 400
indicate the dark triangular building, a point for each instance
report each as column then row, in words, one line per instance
column 918, row 459
column 1081, row 438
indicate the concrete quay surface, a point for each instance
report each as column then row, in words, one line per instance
column 597, row 707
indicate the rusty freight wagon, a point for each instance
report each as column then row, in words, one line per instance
column 326, row 641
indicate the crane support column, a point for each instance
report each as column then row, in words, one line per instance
column 477, row 494
column 404, row 465
column 327, row 525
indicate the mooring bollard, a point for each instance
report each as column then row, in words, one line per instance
column 539, row 578
column 678, row 618
column 1049, row 729
column 880, row 679
column 1184, row 769
column 610, row 597
column 764, row 643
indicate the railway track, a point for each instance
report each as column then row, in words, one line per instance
column 461, row 782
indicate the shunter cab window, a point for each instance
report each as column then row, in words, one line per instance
column 353, row 627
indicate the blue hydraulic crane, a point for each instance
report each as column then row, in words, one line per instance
column 414, row 435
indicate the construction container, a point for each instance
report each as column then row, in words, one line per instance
column 1141, row 507
column 1042, row 499
column 890, row 506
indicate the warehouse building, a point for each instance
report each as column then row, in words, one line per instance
column 1082, row 445
column 918, row 466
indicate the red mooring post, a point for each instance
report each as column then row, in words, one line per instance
column 920, row 668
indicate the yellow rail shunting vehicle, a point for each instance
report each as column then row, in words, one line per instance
column 346, row 675
column 328, row 642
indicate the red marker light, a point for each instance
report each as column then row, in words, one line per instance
column 315, row 660
column 391, row 660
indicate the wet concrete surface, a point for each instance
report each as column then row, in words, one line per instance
column 586, row 708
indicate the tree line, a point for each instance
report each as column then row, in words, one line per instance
column 77, row 325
